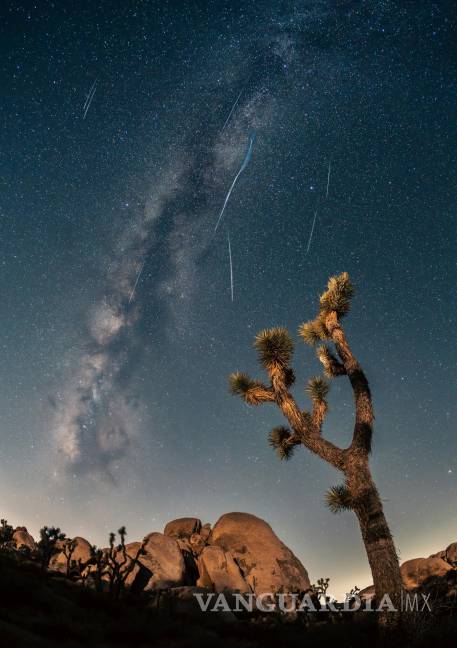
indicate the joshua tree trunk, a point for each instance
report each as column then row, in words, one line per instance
column 359, row 492
column 377, row 539
column 363, row 495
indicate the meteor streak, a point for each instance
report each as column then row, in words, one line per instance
column 233, row 108
column 328, row 178
column 89, row 93
column 231, row 265
column 136, row 282
column 312, row 230
column 89, row 98
column 242, row 168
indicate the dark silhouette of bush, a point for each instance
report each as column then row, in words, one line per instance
column 68, row 550
column 114, row 565
column 6, row 532
column 46, row 547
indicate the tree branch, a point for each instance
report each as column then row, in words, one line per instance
column 318, row 416
column 317, row 390
column 301, row 422
column 258, row 394
column 363, row 428
column 332, row 366
column 252, row 391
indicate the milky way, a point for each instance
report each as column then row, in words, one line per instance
column 95, row 413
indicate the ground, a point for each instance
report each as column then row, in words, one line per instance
column 41, row 609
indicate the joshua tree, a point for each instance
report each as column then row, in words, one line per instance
column 320, row 589
column 351, row 596
column 358, row 493
column 68, row 550
column 6, row 532
column 114, row 564
column 99, row 561
column 49, row 536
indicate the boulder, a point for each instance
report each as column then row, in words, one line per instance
column 205, row 531
column 184, row 544
column 22, row 538
column 182, row 527
column 219, row 571
column 451, row 554
column 414, row 572
column 81, row 555
column 265, row 562
column 367, row 594
column 139, row 575
column 164, row 560
column 197, row 543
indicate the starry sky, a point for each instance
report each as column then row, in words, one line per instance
column 123, row 126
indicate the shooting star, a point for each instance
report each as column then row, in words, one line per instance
column 328, row 178
column 311, row 233
column 242, row 168
column 233, row 108
column 136, row 282
column 89, row 93
column 231, row 265
column 89, row 98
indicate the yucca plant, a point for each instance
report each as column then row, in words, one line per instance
column 275, row 350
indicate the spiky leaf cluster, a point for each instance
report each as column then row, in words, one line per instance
column 252, row 391
column 338, row 295
column 279, row 439
column 317, row 388
column 240, row 383
column 338, row 499
column 314, row 331
column 275, row 347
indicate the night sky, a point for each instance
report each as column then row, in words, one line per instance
column 116, row 157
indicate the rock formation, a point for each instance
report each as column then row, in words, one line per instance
column 414, row 572
column 450, row 554
column 219, row 571
column 182, row 527
column 164, row 560
column 417, row 571
column 241, row 553
column 80, row 555
column 265, row 562
column 22, row 538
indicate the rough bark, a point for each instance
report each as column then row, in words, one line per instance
column 379, row 546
